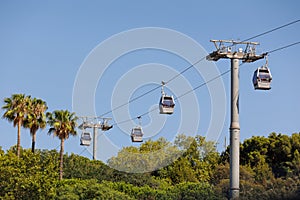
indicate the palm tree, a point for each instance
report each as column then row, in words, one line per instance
column 36, row 118
column 16, row 109
column 62, row 124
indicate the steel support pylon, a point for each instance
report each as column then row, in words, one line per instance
column 95, row 130
column 247, row 55
column 234, row 131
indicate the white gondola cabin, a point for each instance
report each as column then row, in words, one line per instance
column 137, row 134
column 85, row 139
column 166, row 103
column 262, row 78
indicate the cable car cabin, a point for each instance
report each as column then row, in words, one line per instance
column 262, row 78
column 166, row 104
column 85, row 139
column 137, row 134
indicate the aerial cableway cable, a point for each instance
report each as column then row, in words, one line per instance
column 203, row 84
column 192, row 65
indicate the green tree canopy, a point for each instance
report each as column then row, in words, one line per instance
column 16, row 110
column 36, row 118
column 62, row 125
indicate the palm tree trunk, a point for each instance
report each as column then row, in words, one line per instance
column 61, row 159
column 33, row 142
column 19, row 138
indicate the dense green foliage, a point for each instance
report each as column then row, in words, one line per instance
column 269, row 169
column 29, row 112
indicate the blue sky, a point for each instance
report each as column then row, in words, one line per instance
column 43, row 44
